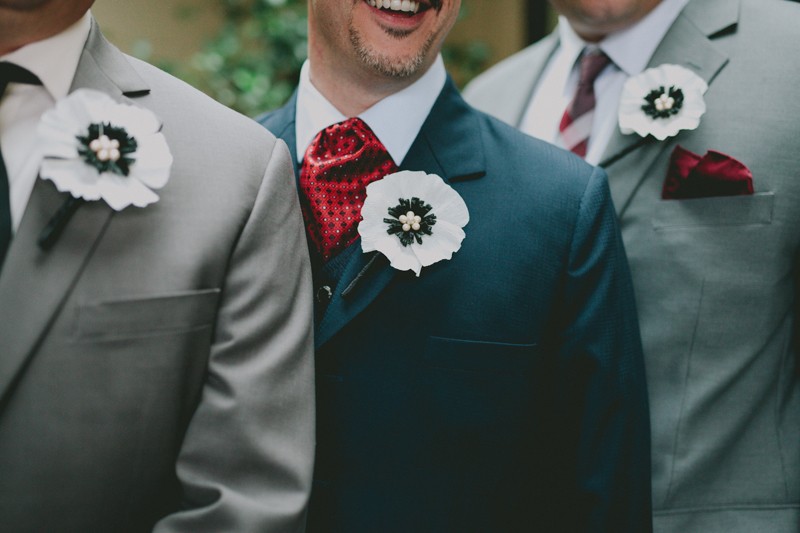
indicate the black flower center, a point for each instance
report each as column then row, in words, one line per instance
column 411, row 219
column 663, row 102
column 108, row 148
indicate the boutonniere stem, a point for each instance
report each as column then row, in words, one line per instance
column 55, row 226
column 641, row 141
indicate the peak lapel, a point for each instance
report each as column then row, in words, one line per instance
column 34, row 283
column 449, row 144
column 628, row 157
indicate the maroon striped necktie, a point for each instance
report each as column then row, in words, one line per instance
column 576, row 124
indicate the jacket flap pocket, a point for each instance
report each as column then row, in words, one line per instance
column 146, row 316
column 479, row 356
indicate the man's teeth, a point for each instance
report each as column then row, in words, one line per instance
column 395, row 5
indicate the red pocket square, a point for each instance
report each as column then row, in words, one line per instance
column 714, row 174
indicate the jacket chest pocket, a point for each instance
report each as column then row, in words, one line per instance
column 471, row 384
column 146, row 316
column 746, row 210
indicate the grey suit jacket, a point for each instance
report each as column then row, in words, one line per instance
column 156, row 363
column 716, row 278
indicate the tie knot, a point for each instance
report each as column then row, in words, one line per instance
column 592, row 64
column 339, row 164
column 346, row 138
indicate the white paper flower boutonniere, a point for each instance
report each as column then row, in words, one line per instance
column 96, row 148
column 662, row 101
column 413, row 218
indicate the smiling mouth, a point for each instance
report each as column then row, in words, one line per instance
column 409, row 7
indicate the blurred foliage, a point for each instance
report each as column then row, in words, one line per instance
column 253, row 63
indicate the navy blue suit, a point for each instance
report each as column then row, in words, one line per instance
column 503, row 390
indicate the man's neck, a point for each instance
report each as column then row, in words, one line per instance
column 21, row 28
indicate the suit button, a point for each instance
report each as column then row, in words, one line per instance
column 324, row 294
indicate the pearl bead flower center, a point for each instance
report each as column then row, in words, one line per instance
column 410, row 221
column 106, row 149
column 664, row 102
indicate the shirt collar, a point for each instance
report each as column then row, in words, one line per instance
column 569, row 43
column 55, row 59
column 396, row 120
column 631, row 48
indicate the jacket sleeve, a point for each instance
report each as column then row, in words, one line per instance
column 602, row 378
column 246, row 461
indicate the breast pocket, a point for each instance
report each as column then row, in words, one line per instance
column 472, row 385
column 147, row 316
column 744, row 210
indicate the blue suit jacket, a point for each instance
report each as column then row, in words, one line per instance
column 503, row 390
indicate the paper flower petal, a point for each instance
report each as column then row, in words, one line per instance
column 72, row 176
column 120, row 192
column 446, row 240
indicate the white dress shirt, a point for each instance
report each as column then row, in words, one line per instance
column 395, row 120
column 630, row 51
column 54, row 61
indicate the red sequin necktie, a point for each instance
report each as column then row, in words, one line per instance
column 338, row 165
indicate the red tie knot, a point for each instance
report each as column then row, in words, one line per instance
column 338, row 165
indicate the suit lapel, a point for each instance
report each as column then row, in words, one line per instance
column 517, row 100
column 628, row 158
column 35, row 283
column 281, row 123
column 435, row 152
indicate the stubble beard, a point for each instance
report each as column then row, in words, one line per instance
column 397, row 68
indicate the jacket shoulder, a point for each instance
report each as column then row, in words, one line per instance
column 534, row 164
column 203, row 133
column 187, row 108
column 498, row 77
column 777, row 21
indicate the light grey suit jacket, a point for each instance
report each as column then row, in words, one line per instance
column 716, row 278
column 156, row 363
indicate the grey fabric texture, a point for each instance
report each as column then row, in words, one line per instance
column 156, row 363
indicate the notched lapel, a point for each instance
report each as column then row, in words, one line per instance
column 516, row 96
column 104, row 68
column 35, row 283
column 628, row 158
column 449, row 144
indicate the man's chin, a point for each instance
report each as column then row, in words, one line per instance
column 397, row 68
